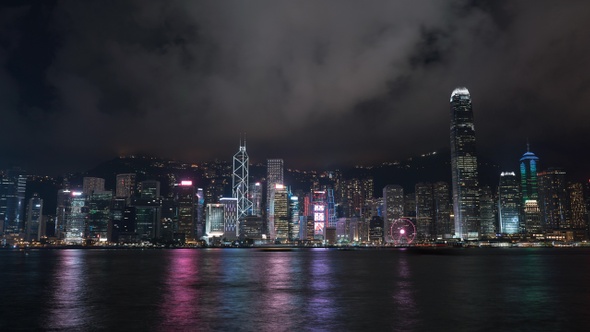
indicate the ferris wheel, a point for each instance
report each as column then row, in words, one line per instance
column 402, row 231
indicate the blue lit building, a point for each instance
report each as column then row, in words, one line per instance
column 529, row 166
column 509, row 206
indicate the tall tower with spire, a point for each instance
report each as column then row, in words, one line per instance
column 464, row 166
column 240, row 183
column 529, row 166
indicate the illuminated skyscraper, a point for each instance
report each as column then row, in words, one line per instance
column 393, row 207
column 149, row 189
column 200, row 231
column 99, row 214
column 274, row 176
column 442, row 210
column 532, row 217
column 279, row 213
column 509, row 204
column 148, row 211
column 240, row 181
column 294, row 220
column 92, row 184
column 230, row 218
column 12, row 201
column 553, row 199
column 255, row 194
column 75, row 218
column 529, row 165
column 464, row 166
column 487, row 212
column 424, row 211
column 214, row 220
column 34, row 219
column 125, row 187
column 579, row 214
column 63, row 203
column 185, row 200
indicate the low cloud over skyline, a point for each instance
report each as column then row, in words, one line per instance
column 317, row 83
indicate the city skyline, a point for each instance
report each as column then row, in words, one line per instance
column 315, row 86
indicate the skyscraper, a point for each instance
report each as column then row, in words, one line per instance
column 553, row 199
column 92, row 184
column 274, row 176
column 125, row 187
column 12, row 201
column 393, row 207
column 487, row 212
column 464, row 166
column 509, row 206
column 185, row 200
column 230, row 218
column 99, row 213
column 255, row 195
column 529, row 165
column 442, row 210
column 240, row 181
column 279, row 213
column 294, row 222
column 214, row 220
column 75, row 218
column 424, row 211
column 149, row 189
column 579, row 214
column 34, row 218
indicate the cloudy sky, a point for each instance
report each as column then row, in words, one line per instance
column 317, row 83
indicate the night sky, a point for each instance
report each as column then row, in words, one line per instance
column 317, row 83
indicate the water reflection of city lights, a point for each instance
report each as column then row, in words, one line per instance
column 69, row 310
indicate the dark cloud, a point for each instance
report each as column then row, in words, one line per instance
column 315, row 82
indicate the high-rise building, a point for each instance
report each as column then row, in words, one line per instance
column 34, row 219
column 12, row 201
column 444, row 229
column 214, row 220
column 532, row 218
column 240, row 181
column 200, row 231
column 553, row 199
column 424, row 212
column 279, row 213
column 92, row 184
column 185, row 200
column 393, row 207
column 230, row 218
column 464, row 166
column 122, row 220
column 487, row 212
column 99, row 215
column 75, row 218
column 274, row 175
column 509, row 204
column 294, row 220
column 125, row 187
column 255, row 194
column 63, row 202
column 529, row 166
column 319, row 210
column 579, row 214
column 149, row 189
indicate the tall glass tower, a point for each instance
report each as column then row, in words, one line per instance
column 509, row 203
column 240, row 181
column 464, row 166
column 529, row 166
